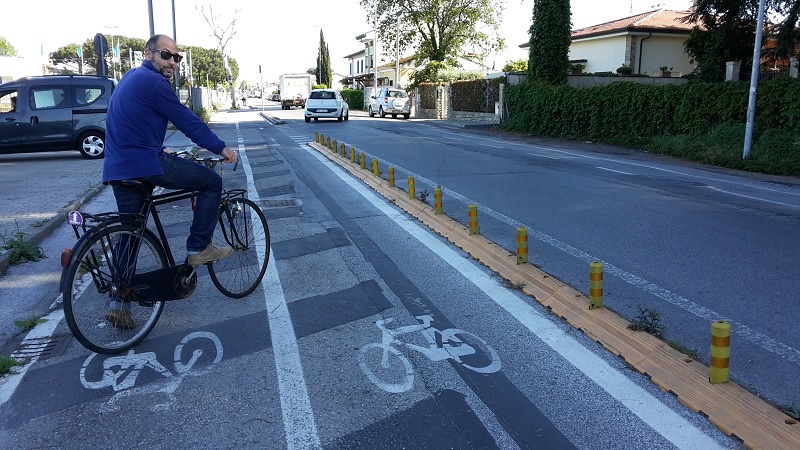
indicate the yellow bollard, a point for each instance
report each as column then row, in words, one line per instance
column 321, row 140
column 437, row 200
column 595, row 285
column 411, row 191
column 361, row 161
column 522, row 245
column 391, row 176
column 352, row 154
column 472, row 212
column 720, row 352
column 316, row 137
column 334, row 146
column 343, row 150
column 375, row 170
column 328, row 144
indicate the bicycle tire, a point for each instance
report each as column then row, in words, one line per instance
column 243, row 227
column 87, row 288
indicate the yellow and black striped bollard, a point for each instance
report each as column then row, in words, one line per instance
column 472, row 213
column 375, row 169
column 362, row 161
column 391, row 176
column 595, row 285
column 411, row 189
column 720, row 352
column 522, row 245
column 437, row 200
column 352, row 154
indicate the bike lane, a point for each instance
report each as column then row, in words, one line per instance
column 344, row 262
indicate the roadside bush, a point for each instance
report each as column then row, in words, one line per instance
column 700, row 121
column 354, row 97
column 203, row 114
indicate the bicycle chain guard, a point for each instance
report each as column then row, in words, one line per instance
column 171, row 283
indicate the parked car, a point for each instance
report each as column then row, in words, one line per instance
column 58, row 112
column 390, row 101
column 326, row 103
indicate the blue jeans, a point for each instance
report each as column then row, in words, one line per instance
column 181, row 173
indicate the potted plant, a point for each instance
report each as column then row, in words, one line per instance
column 665, row 71
column 624, row 70
column 576, row 69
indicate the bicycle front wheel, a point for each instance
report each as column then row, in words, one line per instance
column 95, row 309
column 243, row 227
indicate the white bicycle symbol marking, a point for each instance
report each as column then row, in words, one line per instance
column 450, row 343
column 120, row 372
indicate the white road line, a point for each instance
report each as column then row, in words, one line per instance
column 298, row 417
column 752, row 197
column 612, row 170
column 666, row 422
column 543, row 156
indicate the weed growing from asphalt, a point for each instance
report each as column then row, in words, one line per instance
column 29, row 324
column 423, row 196
column 6, row 363
column 648, row 320
column 20, row 251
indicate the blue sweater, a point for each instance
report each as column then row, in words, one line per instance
column 136, row 124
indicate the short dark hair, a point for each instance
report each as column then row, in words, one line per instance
column 153, row 41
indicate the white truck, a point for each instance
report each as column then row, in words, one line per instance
column 295, row 89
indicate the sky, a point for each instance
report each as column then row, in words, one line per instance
column 280, row 36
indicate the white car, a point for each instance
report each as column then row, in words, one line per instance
column 390, row 101
column 326, row 103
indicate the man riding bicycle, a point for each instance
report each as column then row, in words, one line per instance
column 136, row 125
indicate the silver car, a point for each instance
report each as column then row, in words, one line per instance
column 390, row 101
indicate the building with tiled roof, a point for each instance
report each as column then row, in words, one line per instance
column 645, row 42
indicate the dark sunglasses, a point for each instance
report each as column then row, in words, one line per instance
column 166, row 55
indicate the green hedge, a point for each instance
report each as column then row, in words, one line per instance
column 700, row 121
column 354, row 97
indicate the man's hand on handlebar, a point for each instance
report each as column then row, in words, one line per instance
column 231, row 156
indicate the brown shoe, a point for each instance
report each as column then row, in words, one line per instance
column 121, row 318
column 210, row 254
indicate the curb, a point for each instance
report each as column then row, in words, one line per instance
column 270, row 119
column 52, row 223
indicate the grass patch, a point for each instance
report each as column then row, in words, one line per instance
column 423, row 196
column 6, row 363
column 29, row 324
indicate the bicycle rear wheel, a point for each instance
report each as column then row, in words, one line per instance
column 90, row 283
column 243, row 227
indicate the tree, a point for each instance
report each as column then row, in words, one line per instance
column 548, row 57
column 323, row 70
column 517, row 65
column 6, row 49
column 223, row 34
column 437, row 30
column 727, row 34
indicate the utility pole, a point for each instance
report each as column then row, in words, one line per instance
column 751, row 105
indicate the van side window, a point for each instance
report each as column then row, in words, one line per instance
column 8, row 101
column 86, row 95
column 49, row 97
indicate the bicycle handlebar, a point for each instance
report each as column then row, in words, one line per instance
column 208, row 161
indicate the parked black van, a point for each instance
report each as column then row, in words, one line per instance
column 57, row 112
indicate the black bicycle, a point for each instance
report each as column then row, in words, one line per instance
column 118, row 260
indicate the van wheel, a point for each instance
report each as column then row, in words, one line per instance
column 92, row 144
column 370, row 111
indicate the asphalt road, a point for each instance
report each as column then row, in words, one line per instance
column 469, row 362
column 693, row 243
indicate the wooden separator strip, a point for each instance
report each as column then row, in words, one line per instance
column 730, row 407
